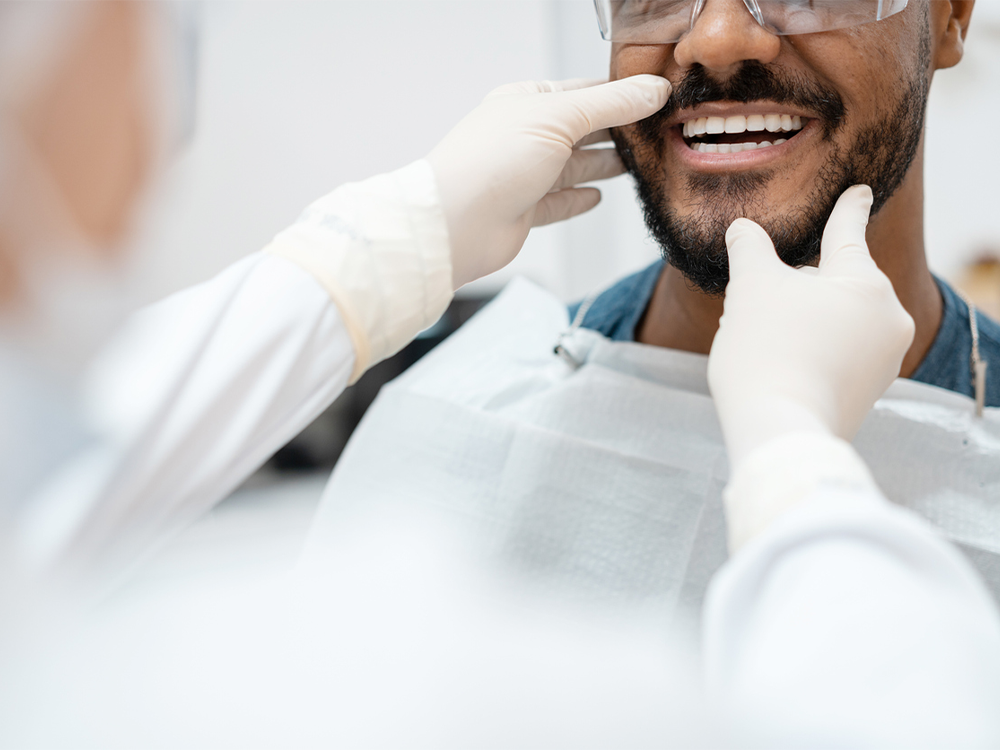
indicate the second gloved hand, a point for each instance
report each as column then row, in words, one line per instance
column 805, row 350
column 514, row 162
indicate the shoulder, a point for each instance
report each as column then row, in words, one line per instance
column 616, row 311
column 947, row 364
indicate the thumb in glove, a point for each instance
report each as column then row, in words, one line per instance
column 805, row 349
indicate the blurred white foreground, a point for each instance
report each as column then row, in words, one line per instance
column 400, row 637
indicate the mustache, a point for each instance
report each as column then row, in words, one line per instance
column 753, row 82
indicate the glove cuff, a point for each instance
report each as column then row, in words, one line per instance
column 777, row 476
column 381, row 250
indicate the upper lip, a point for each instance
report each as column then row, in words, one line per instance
column 731, row 109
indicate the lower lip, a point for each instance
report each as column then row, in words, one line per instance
column 745, row 159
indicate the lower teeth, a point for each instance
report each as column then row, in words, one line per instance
column 733, row 148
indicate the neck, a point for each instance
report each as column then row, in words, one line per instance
column 682, row 317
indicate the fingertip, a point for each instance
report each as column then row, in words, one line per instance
column 655, row 89
column 743, row 222
column 739, row 229
column 748, row 247
column 653, row 80
column 863, row 192
column 853, row 209
column 660, row 88
column 861, row 198
column 620, row 102
column 844, row 248
column 589, row 197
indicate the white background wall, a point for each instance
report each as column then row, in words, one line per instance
column 295, row 98
column 963, row 197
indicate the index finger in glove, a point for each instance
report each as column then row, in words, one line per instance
column 588, row 166
column 613, row 104
column 598, row 136
column 844, row 251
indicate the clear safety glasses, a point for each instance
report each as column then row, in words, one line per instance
column 667, row 21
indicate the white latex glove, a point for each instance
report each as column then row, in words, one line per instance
column 805, row 350
column 514, row 162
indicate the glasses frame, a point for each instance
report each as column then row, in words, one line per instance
column 886, row 9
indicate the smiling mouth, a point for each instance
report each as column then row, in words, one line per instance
column 738, row 133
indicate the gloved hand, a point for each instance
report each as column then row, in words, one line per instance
column 514, row 162
column 805, row 350
column 392, row 249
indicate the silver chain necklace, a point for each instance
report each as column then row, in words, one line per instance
column 976, row 363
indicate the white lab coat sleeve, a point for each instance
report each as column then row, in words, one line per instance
column 191, row 397
column 381, row 250
column 848, row 622
column 781, row 473
column 201, row 388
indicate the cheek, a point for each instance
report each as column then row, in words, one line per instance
column 866, row 66
column 635, row 59
column 870, row 73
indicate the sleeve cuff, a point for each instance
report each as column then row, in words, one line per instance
column 779, row 475
column 381, row 250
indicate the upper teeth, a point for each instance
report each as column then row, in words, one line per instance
column 739, row 124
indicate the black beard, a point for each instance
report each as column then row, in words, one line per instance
column 881, row 157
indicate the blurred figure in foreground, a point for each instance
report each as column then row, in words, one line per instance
column 802, row 625
column 196, row 392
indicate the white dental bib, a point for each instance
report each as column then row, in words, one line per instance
column 607, row 478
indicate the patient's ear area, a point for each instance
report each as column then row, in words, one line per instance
column 949, row 25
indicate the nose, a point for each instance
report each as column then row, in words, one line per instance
column 724, row 36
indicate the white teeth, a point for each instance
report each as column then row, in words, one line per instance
column 736, row 124
column 715, row 126
column 740, row 124
column 732, row 148
column 694, row 128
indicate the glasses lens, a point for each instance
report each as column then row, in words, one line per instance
column 666, row 21
column 810, row 16
column 644, row 21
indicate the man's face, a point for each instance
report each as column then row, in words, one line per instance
column 852, row 106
